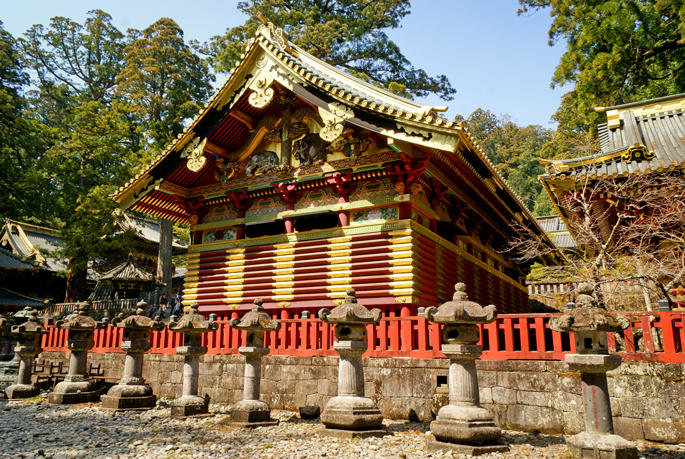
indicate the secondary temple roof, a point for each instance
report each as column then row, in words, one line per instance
column 200, row 168
column 640, row 137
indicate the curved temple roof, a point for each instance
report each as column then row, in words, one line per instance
column 640, row 137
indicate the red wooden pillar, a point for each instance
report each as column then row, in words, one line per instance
column 289, row 222
column 240, row 230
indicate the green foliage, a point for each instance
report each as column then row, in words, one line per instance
column 344, row 33
column 515, row 151
column 103, row 104
column 617, row 51
column 20, row 144
column 163, row 81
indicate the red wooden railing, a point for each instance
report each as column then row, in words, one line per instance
column 652, row 336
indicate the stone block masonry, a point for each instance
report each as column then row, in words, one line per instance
column 647, row 398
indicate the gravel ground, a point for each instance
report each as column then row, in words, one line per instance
column 34, row 429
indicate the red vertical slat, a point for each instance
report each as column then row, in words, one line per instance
column 665, row 318
column 371, row 336
column 540, row 334
column 647, row 339
column 508, row 334
column 394, row 332
column 524, row 334
column 422, row 333
column 493, row 335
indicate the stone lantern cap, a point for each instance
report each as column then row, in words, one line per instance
column 193, row 322
column 350, row 312
column 256, row 320
column 461, row 311
column 81, row 321
column 588, row 316
column 32, row 326
column 138, row 321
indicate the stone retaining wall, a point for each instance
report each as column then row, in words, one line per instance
column 648, row 399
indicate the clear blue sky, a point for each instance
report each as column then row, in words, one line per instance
column 495, row 59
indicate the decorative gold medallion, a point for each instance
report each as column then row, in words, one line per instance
column 196, row 159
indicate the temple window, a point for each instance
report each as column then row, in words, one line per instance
column 316, row 222
column 270, row 228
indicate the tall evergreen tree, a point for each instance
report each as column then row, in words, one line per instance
column 349, row 34
column 515, row 151
column 20, row 144
column 162, row 81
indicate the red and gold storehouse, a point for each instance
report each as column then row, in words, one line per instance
column 300, row 181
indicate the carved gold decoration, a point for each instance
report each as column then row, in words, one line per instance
column 262, row 61
column 196, row 159
column 232, row 306
column 191, row 146
column 333, row 120
column 226, row 172
column 262, row 94
column 283, row 304
column 351, row 143
column 637, row 153
column 274, row 34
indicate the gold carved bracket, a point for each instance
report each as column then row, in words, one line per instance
column 262, row 92
column 194, row 152
column 333, row 120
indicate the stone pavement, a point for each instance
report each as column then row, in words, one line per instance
column 34, row 429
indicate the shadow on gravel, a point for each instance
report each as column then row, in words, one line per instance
column 533, row 439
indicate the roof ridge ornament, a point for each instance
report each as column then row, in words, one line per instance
column 273, row 33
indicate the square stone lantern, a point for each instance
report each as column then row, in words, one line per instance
column 132, row 393
column 590, row 325
column 29, row 336
column 77, row 387
column 463, row 426
column 192, row 325
column 351, row 414
column 250, row 411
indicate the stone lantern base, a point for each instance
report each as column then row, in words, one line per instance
column 600, row 446
column 189, row 405
column 69, row 392
column 348, row 417
column 21, row 391
column 465, row 430
column 252, row 413
column 123, row 397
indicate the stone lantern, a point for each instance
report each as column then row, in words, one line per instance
column 77, row 387
column 250, row 411
column 29, row 336
column 192, row 325
column 350, row 413
column 590, row 325
column 463, row 426
column 132, row 393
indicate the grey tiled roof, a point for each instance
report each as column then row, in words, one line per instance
column 12, row 261
column 126, row 271
column 17, row 300
column 663, row 133
column 551, row 223
column 146, row 230
column 563, row 240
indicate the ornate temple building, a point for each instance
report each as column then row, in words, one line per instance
column 300, row 181
column 645, row 137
